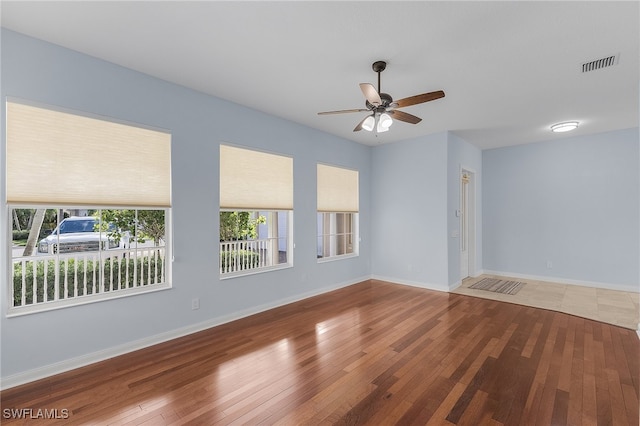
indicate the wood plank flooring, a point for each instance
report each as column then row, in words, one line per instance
column 373, row 353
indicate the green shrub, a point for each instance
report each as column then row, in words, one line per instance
column 126, row 268
column 24, row 234
column 235, row 260
column 20, row 235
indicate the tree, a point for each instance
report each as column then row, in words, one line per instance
column 34, row 232
column 151, row 224
column 16, row 221
column 145, row 224
column 239, row 225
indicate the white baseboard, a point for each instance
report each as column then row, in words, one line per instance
column 428, row 286
column 619, row 287
column 476, row 274
column 81, row 361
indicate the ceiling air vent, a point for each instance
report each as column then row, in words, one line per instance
column 609, row 61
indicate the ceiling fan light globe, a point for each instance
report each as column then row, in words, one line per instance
column 385, row 121
column 368, row 123
column 380, row 128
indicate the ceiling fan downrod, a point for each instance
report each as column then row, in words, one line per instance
column 378, row 67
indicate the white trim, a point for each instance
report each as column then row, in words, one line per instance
column 86, row 114
column 10, row 311
column 338, row 257
column 472, row 223
column 254, row 271
column 455, row 285
column 83, row 360
column 355, row 235
column 619, row 287
column 16, row 311
column 427, row 286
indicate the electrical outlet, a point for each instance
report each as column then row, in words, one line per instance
column 195, row 304
column 549, row 264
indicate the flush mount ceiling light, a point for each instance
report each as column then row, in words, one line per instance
column 566, row 126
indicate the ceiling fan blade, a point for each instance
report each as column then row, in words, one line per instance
column 371, row 94
column 418, row 99
column 359, row 126
column 343, row 111
column 403, row 116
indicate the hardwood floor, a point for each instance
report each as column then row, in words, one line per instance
column 373, row 353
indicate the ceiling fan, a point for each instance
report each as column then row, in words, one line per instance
column 383, row 108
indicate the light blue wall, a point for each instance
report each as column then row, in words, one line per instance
column 45, row 73
column 574, row 202
column 409, row 206
column 461, row 154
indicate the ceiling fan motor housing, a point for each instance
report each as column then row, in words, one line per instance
column 386, row 101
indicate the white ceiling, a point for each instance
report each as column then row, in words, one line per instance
column 509, row 69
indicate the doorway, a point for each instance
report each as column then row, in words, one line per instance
column 467, row 223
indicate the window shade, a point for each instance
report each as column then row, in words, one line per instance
column 58, row 158
column 255, row 180
column 337, row 189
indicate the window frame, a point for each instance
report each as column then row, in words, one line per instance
column 42, row 306
column 355, row 236
column 72, row 126
column 337, row 192
column 255, row 180
column 260, row 269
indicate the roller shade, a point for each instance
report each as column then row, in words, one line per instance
column 60, row 158
column 337, row 189
column 255, row 180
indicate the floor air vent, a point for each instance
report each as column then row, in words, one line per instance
column 600, row 63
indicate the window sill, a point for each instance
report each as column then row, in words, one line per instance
column 340, row 257
column 82, row 300
column 230, row 275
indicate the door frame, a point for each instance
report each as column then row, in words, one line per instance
column 471, row 215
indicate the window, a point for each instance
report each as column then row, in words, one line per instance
column 252, row 240
column 256, row 208
column 336, row 234
column 72, row 240
column 63, row 256
column 338, row 207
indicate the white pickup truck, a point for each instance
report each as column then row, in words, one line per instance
column 76, row 234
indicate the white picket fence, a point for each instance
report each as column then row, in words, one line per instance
column 45, row 278
column 239, row 256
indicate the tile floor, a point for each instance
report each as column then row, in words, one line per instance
column 610, row 306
